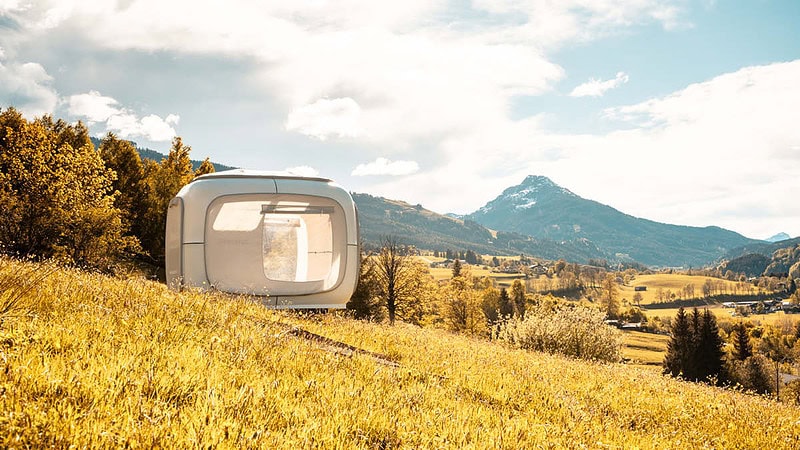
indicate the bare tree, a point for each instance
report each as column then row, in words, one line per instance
column 398, row 278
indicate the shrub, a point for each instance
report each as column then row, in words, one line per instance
column 579, row 332
column 753, row 374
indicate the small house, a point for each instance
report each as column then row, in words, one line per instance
column 289, row 239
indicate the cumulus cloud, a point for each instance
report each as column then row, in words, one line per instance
column 723, row 148
column 303, row 171
column 27, row 87
column 97, row 108
column 93, row 106
column 596, row 88
column 405, row 76
column 9, row 6
column 325, row 118
column 384, row 166
column 721, row 152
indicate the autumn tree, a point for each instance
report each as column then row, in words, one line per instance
column 164, row 180
column 129, row 184
column 56, row 194
column 637, row 299
column 518, row 298
column 610, row 294
column 490, row 302
column 404, row 284
column 205, row 167
column 462, row 305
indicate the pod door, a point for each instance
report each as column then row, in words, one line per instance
column 275, row 244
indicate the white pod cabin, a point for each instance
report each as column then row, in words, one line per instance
column 291, row 239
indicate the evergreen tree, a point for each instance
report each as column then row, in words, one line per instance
column 456, row 268
column 711, row 360
column 742, row 349
column 365, row 302
column 692, row 370
column 506, row 305
column 679, row 348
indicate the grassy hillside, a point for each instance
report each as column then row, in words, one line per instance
column 90, row 361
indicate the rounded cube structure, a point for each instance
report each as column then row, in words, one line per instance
column 292, row 240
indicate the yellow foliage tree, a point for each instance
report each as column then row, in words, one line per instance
column 163, row 180
column 56, row 193
column 462, row 305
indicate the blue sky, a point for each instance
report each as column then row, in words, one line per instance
column 678, row 111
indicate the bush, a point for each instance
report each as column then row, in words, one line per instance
column 754, row 374
column 580, row 332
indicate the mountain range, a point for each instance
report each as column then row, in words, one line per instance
column 541, row 219
column 540, row 208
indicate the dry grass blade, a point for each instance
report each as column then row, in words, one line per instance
column 18, row 280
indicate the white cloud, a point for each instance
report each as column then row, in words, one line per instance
column 10, row 6
column 339, row 117
column 303, row 171
column 384, row 166
column 596, row 88
column 722, row 152
column 436, row 85
column 93, row 106
column 151, row 127
column 711, row 153
column 97, row 108
column 28, row 88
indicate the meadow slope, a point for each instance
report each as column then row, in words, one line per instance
column 91, row 361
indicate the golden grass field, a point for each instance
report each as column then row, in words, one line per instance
column 644, row 349
column 89, row 361
column 672, row 282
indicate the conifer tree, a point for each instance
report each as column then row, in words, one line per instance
column 609, row 298
column 692, row 370
column 679, row 348
column 711, row 361
column 456, row 268
column 742, row 349
column 365, row 302
column 506, row 306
